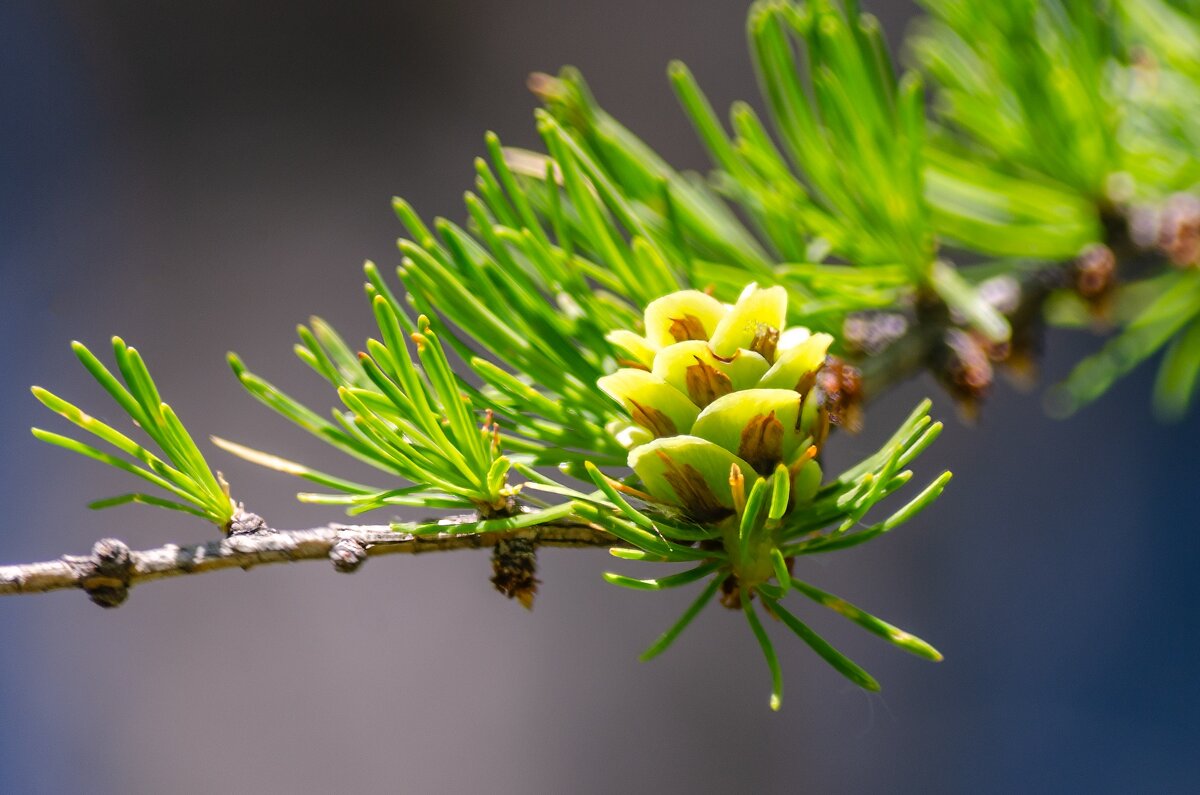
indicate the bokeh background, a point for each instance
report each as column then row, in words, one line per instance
column 199, row 177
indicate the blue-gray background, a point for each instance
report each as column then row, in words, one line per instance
column 200, row 177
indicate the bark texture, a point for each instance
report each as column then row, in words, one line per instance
column 111, row 569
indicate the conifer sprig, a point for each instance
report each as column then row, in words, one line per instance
column 1083, row 115
column 763, row 537
column 847, row 183
column 184, row 475
column 661, row 341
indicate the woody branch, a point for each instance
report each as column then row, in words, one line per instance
column 112, row 568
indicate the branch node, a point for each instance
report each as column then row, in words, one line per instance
column 347, row 555
column 245, row 523
column 108, row 572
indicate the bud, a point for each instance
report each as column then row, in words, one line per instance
column 710, row 387
column 1094, row 279
column 1179, row 230
column 841, row 394
column 965, row 369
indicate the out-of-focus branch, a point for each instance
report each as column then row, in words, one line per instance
column 933, row 339
column 893, row 347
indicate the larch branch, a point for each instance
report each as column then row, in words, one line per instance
column 112, row 568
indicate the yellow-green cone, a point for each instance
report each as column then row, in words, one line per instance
column 710, row 386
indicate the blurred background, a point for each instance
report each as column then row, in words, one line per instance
column 200, row 177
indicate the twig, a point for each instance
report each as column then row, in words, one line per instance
column 1019, row 295
column 112, row 568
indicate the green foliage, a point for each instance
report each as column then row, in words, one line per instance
column 1025, row 82
column 1058, row 92
column 414, row 419
column 193, row 486
column 747, row 554
column 600, row 310
column 1079, row 116
column 849, row 182
column 523, row 302
column 1163, row 313
column 853, row 130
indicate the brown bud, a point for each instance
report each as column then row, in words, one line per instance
column 245, row 523
column 347, row 555
column 839, row 390
column 731, row 593
column 108, row 573
column 1179, row 230
column 514, row 564
column 964, row 367
column 1094, row 278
